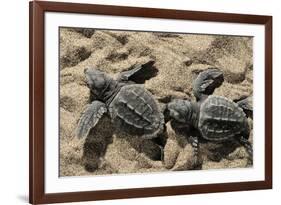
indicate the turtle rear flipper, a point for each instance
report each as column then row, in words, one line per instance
column 206, row 82
column 247, row 105
column 139, row 73
column 90, row 117
column 197, row 161
column 249, row 149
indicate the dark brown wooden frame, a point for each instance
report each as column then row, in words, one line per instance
column 36, row 106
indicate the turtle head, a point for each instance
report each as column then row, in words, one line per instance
column 97, row 81
column 180, row 111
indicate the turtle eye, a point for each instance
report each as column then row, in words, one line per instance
column 99, row 82
column 88, row 81
column 174, row 114
column 95, row 81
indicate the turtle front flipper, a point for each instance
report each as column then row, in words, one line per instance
column 247, row 105
column 90, row 117
column 206, row 82
column 139, row 73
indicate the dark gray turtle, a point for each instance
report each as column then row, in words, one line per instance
column 130, row 106
column 214, row 118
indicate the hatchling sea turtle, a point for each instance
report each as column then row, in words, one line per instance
column 212, row 117
column 130, row 106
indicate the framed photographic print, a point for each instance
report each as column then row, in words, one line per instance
column 139, row 102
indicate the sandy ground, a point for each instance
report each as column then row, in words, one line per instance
column 179, row 58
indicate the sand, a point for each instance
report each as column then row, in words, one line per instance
column 179, row 58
